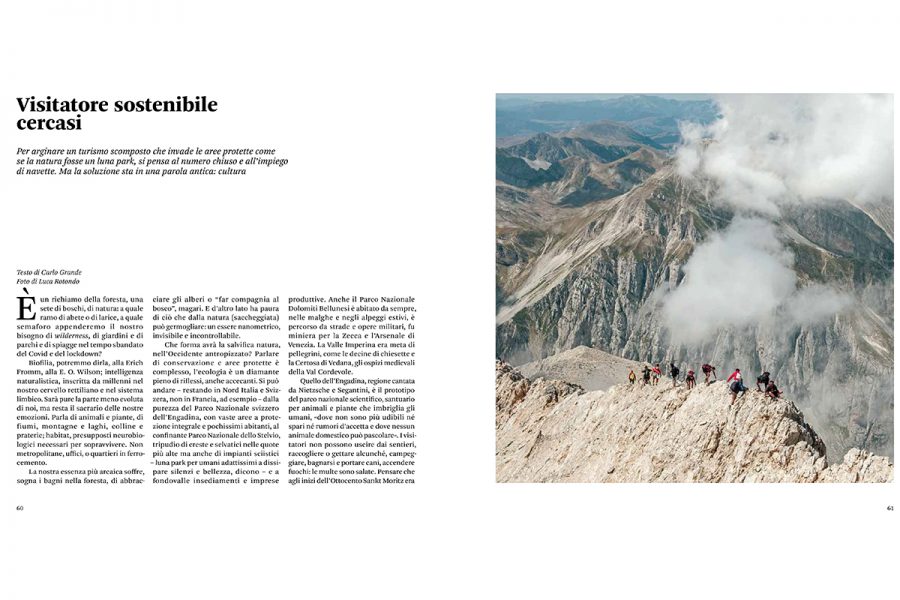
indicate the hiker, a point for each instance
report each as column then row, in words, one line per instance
column 736, row 376
column 645, row 375
column 657, row 373
column 631, row 377
column 707, row 370
column 764, row 380
column 737, row 385
column 673, row 372
column 690, row 380
column 772, row 390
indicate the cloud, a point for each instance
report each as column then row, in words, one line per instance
column 736, row 278
column 773, row 149
column 743, row 276
column 813, row 304
column 764, row 152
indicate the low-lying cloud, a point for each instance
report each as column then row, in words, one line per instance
column 738, row 277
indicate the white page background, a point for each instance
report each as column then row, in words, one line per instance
column 386, row 112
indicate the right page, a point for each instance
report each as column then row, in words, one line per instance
column 695, row 288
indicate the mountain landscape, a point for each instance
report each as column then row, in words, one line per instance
column 605, row 239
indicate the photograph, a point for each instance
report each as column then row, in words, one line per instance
column 694, row 288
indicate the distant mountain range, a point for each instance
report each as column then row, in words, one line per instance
column 654, row 117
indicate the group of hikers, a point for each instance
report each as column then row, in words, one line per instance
column 651, row 376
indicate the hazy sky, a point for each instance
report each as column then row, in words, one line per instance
column 584, row 97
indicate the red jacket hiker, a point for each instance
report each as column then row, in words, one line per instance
column 736, row 376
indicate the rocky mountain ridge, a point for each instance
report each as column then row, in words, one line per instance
column 588, row 368
column 554, row 431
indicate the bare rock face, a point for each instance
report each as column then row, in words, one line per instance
column 859, row 465
column 553, row 431
column 513, row 388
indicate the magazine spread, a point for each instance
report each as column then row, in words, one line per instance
column 258, row 257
